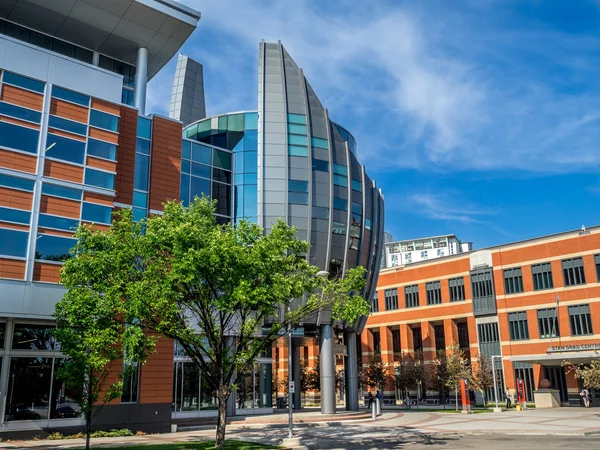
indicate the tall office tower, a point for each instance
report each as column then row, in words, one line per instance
column 187, row 100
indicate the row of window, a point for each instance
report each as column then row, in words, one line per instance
column 580, row 321
column 433, row 292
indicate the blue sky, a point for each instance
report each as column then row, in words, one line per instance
column 476, row 117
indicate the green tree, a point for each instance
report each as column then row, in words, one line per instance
column 406, row 374
column 375, row 373
column 483, row 376
column 223, row 293
column 88, row 333
column 589, row 374
column 456, row 368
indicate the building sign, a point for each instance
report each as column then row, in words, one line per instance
column 574, row 348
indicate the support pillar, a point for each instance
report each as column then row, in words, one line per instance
column 406, row 339
column 429, row 344
column 351, row 371
column 327, row 366
column 297, row 396
column 231, row 401
column 141, row 80
column 450, row 331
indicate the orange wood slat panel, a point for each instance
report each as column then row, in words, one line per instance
column 60, row 206
column 68, row 110
column 55, row 232
column 13, row 269
column 97, row 198
column 46, row 272
column 103, row 135
column 126, row 155
column 14, row 226
column 62, row 171
column 76, row 137
column 156, row 378
column 21, row 97
column 110, row 108
column 97, row 226
column 166, row 162
column 17, row 161
column 16, row 199
column 101, row 164
column 20, row 122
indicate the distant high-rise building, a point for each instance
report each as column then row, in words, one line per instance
column 414, row 250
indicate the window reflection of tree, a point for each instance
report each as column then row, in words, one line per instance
column 33, row 337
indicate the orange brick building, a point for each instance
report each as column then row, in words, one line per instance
column 533, row 303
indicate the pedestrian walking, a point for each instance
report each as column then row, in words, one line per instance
column 508, row 399
column 371, row 400
column 585, row 395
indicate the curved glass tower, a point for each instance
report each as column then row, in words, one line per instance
column 290, row 161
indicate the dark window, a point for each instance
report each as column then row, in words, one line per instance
column 417, row 340
column 13, row 242
column 548, row 323
column 33, row 337
column 542, row 276
column 411, row 296
column 221, row 175
column 573, row 271
column 489, row 338
column 580, row 320
column 131, row 377
column 19, row 138
column 222, row 193
column 29, row 386
column 391, row 299
column 65, row 149
column 463, row 335
column 524, row 371
column 457, row 289
column 517, row 324
column 53, row 248
column 376, row 342
column 375, row 303
column 434, row 293
column 440, row 338
column 484, row 300
column 513, row 281
column 396, row 341
column 597, row 261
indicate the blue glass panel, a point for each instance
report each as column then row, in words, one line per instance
column 67, row 125
column 250, row 178
column 251, row 121
column 368, row 224
column 186, row 149
column 14, row 215
column 297, row 118
column 356, row 208
column 239, row 163
column 320, row 143
column 340, row 203
column 127, row 97
column 298, row 185
column 222, row 159
column 297, row 129
column 250, row 201
column 184, row 190
column 320, row 165
column 65, row 149
column 53, row 248
column 251, row 140
column 103, row 120
column 142, row 146
column 140, row 199
column 296, row 140
column 144, row 129
column 240, row 146
column 139, row 214
column 24, row 82
column 102, row 149
column 340, row 180
column 298, row 198
column 200, row 170
column 19, row 138
column 238, row 179
column 13, row 242
column 297, row 150
column 60, row 223
column 339, row 169
column 199, row 187
column 96, row 213
column 61, row 191
column 17, row 183
column 201, row 153
column 250, row 162
column 20, row 113
column 70, row 96
column 99, row 179
column 141, row 172
column 357, row 185
column 185, row 166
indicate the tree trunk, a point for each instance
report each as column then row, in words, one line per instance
column 88, row 417
column 222, row 395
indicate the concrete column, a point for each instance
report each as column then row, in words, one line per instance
column 351, row 371
column 297, row 397
column 428, row 333
column 327, row 366
column 406, row 339
column 141, row 80
column 450, row 331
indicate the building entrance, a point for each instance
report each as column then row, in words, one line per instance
column 556, row 376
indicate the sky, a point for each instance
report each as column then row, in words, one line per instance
column 479, row 118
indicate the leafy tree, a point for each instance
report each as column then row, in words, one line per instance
column 406, row 376
column 483, row 376
column 223, row 293
column 375, row 373
column 456, row 367
column 439, row 375
column 589, row 374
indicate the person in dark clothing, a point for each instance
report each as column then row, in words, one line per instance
column 371, row 400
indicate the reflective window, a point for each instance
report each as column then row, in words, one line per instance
column 63, row 404
column 143, row 146
column 251, row 140
column 131, row 379
column 24, row 82
column 235, row 122
column 298, row 185
column 222, row 159
column 222, row 193
column 141, row 176
column 18, row 138
column 14, row 215
column 200, row 170
column 297, row 150
column 368, row 224
column 186, row 149
column 144, row 129
column 320, row 212
column 222, row 176
column 127, row 97
column 103, row 120
column 65, row 149
column 33, row 337
column 140, row 199
column 61, row 191
column 139, row 214
column 340, row 180
column 99, row 179
column 184, row 190
column 297, row 118
column 320, row 165
column 297, row 129
column 251, row 121
column 339, row 169
column 320, row 143
column 20, row 113
column 356, row 208
column 29, row 387
column 102, row 149
column 298, row 198
column 339, row 228
column 16, row 183
column 340, row 203
column 185, row 166
column 13, row 242
column 53, row 248
column 60, row 223
column 67, row 125
column 199, row 187
column 70, row 96
column 93, row 212
column 201, row 153
column 296, row 140
column 356, row 185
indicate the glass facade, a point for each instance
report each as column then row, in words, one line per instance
column 141, row 177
